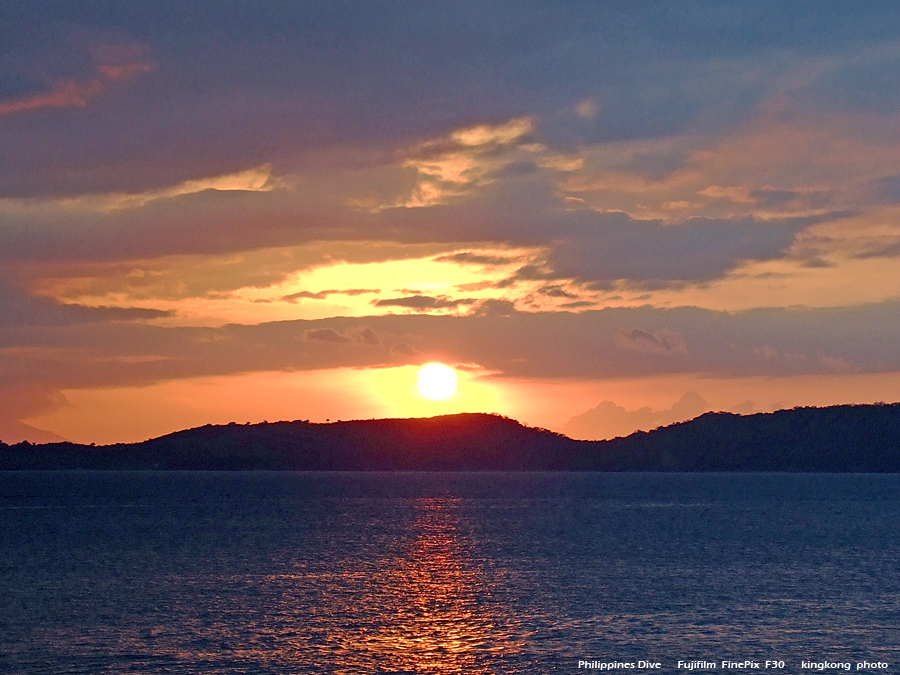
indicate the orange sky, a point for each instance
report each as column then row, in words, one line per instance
column 197, row 230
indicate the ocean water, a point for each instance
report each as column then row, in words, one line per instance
column 259, row 572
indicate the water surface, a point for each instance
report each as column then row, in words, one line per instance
column 267, row 572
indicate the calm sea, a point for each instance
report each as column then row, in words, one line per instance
column 148, row 573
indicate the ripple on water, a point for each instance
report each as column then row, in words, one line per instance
column 294, row 573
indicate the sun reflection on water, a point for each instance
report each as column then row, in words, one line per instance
column 431, row 609
column 173, row 574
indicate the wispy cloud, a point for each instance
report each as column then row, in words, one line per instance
column 455, row 165
column 116, row 63
column 257, row 179
column 66, row 94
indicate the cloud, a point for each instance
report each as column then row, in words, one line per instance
column 257, row 179
column 559, row 157
column 866, row 82
column 29, row 400
column 19, row 310
column 184, row 277
column 665, row 342
column 612, row 246
column 404, row 350
column 423, row 302
column 655, row 165
column 585, row 345
column 368, row 336
column 116, row 63
column 555, row 291
column 234, row 88
column 494, row 308
column 580, row 252
column 326, row 335
column 581, row 244
column 62, row 95
column 365, row 336
column 887, row 250
column 471, row 157
column 886, row 188
column 486, row 135
column 470, row 258
column 322, row 295
column 587, row 109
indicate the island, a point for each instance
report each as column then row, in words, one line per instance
column 845, row 438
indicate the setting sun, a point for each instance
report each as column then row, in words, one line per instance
column 437, row 381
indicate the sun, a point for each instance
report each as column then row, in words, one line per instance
column 437, row 381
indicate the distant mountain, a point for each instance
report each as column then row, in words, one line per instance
column 14, row 431
column 850, row 438
column 608, row 420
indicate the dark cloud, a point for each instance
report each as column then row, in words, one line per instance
column 775, row 198
column 27, row 400
column 365, row 336
column 368, row 336
column 515, row 169
column 887, row 188
column 495, row 308
column 602, row 247
column 293, row 297
column 590, row 246
column 532, row 273
column 626, row 342
column 887, row 250
column 236, row 84
column 554, row 291
column 321, row 295
column 404, row 350
column 14, row 87
column 664, row 341
column 19, row 309
column 605, row 247
column 469, row 258
column 423, row 302
column 326, row 335
column 816, row 263
column 105, row 108
column 870, row 84
column 655, row 165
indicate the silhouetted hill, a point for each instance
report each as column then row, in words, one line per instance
column 859, row 438
column 463, row 442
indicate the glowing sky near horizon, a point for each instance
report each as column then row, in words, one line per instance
column 283, row 211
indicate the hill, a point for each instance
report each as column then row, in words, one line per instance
column 850, row 438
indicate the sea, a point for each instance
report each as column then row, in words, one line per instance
column 340, row 573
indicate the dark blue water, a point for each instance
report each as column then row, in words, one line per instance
column 445, row 573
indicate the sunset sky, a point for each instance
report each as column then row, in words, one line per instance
column 604, row 215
